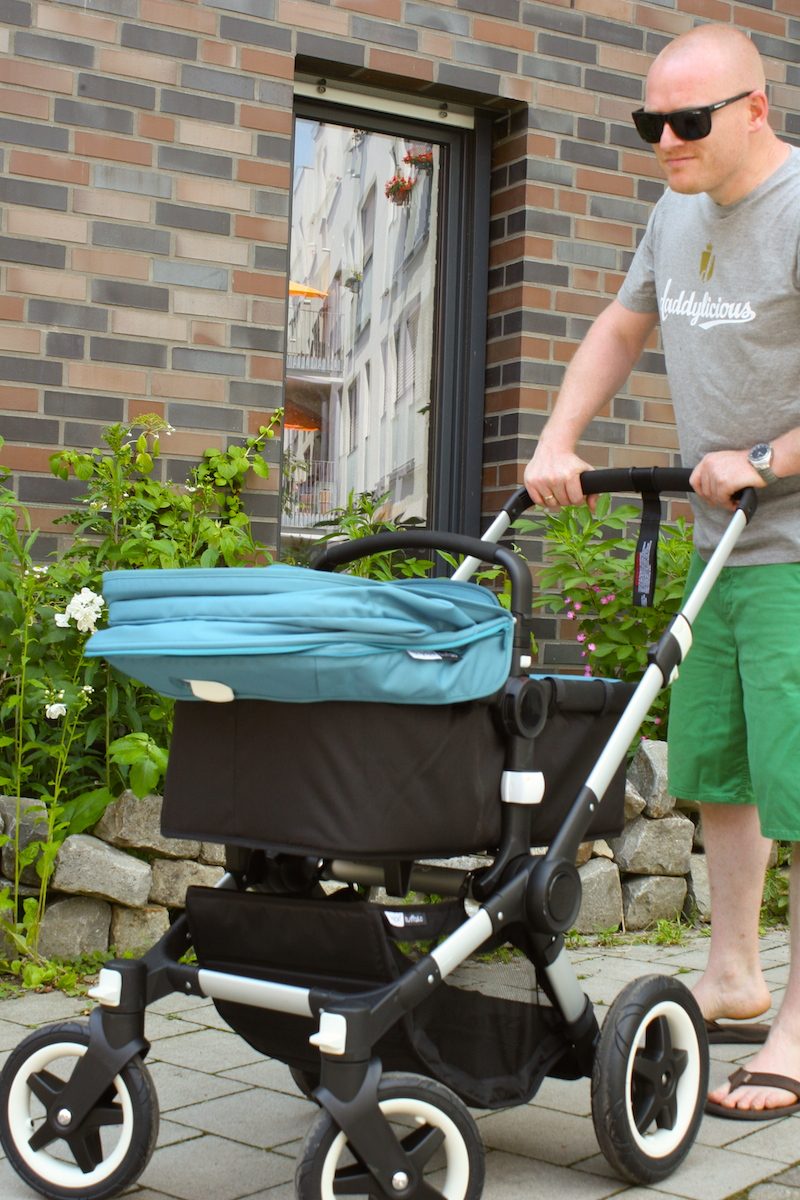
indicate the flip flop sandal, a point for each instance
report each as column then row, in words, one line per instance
column 743, row 1078
column 736, row 1033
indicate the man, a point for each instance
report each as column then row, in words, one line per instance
column 719, row 268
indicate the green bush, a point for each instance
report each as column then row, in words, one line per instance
column 588, row 577
column 74, row 732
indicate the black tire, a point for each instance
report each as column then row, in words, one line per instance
column 112, row 1146
column 431, row 1123
column 650, row 1078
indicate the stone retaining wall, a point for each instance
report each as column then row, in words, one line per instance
column 117, row 886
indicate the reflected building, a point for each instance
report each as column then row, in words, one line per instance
column 361, row 322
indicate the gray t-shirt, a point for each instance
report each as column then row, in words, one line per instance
column 725, row 281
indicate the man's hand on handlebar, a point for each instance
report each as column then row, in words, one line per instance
column 552, row 478
column 720, row 475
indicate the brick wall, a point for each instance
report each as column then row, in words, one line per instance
column 144, row 200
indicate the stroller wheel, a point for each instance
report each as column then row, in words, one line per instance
column 650, row 1078
column 434, row 1127
column 112, row 1146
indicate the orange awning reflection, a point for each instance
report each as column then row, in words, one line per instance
column 305, row 289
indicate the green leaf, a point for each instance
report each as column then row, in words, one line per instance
column 86, row 810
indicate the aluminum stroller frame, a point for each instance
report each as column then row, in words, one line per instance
column 648, row 1066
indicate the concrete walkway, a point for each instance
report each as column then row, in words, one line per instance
column 231, row 1122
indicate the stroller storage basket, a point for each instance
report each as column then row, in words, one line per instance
column 374, row 780
column 490, row 1049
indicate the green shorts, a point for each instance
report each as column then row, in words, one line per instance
column 734, row 721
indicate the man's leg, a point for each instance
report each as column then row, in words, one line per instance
column 732, row 984
column 780, row 1054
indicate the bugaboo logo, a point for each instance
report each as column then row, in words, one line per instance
column 707, row 263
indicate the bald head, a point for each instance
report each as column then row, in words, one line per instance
column 714, row 67
column 715, row 56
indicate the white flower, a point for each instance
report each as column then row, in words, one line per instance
column 54, row 711
column 84, row 609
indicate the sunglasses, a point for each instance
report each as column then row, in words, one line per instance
column 689, row 124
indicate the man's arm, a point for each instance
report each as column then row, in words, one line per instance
column 602, row 363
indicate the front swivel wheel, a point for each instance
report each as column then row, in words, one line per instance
column 110, row 1148
column 650, row 1078
column 434, row 1128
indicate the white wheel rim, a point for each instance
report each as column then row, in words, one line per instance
column 661, row 1142
column 22, row 1125
column 457, row 1169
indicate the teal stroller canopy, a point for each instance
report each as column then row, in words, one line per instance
column 295, row 634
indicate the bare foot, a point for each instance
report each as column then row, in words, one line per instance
column 778, row 1056
column 741, row 999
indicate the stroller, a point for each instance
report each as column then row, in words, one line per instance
column 424, row 739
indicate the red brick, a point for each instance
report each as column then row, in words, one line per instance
column 503, row 33
column 102, row 145
column 12, row 308
column 262, row 229
column 79, row 25
column 25, row 73
column 272, row 120
column 24, row 104
column 99, row 378
column 265, row 62
column 209, row 333
column 764, row 22
column 220, row 54
column 305, row 15
column 178, row 16
column 403, row 65
column 141, row 408
column 26, row 458
column 709, row 10
column 47, row 166
column 18, row 399
column 188, row 386
column 262, row 367
column 116, row 263
column 263, row 174
column 159, row 129
column 389, row 10
column 253, row 283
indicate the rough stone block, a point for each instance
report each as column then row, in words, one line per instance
column 86, row 865
column 211, row 854
column 135, row 930
column 646, row 900
column 133, row 824
column 634, row 801
column 699, row 893
column 171, row 879
column 648, row 773
column 601, row 900
column 648, row 847
column 32, row 826
column 74, row 927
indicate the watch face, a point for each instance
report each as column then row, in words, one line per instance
column 760, row 451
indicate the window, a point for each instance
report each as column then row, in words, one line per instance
column 387, row 313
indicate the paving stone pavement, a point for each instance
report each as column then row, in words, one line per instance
column 232, row 1122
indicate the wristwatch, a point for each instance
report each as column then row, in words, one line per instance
column 760, row 457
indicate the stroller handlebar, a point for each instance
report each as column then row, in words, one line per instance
column 632, row 479
column 335, row 554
